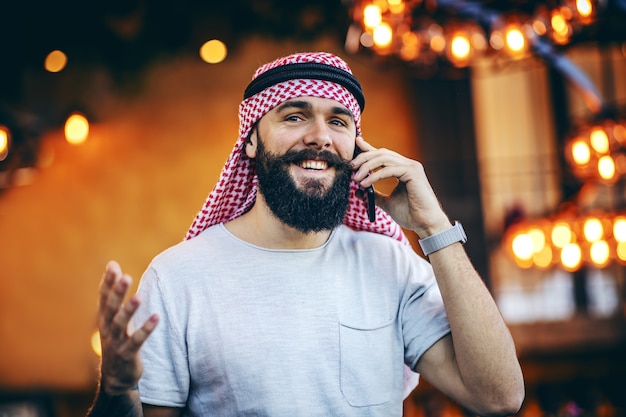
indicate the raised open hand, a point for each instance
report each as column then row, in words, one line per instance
column 121, row 365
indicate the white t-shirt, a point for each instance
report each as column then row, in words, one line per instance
column 318, row 332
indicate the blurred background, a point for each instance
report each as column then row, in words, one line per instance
column 116, row 118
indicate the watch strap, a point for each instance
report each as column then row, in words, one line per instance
column 443, row 239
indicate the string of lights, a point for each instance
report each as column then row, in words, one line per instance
column 456, row 31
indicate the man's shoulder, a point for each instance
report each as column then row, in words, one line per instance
column 182, row 251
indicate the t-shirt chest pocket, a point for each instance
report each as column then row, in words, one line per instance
column 367, row 363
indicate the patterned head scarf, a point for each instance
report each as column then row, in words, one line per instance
column 316, row 74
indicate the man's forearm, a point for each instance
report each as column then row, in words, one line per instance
column 127, row 404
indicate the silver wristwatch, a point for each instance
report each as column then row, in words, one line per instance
column 444, row 238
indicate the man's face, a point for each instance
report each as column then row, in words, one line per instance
column 302, row 149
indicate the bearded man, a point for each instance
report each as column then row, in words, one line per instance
column 286, row 299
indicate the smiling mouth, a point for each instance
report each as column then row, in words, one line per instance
column 314, row 165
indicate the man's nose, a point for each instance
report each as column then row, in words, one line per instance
column 318, row 135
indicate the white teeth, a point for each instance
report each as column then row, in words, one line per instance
column 314, row 165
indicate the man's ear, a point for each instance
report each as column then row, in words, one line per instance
column 251, row 143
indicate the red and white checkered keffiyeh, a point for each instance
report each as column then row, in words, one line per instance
column 235, row 192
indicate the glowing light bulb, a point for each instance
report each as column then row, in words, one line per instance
column 619, row 229
column 606, row 167
column 522, row 246
column 515, row 40
column 372, row 16
column 383, row 35
column 213, row 51
column 76, row 129
column 599, row 140
column 559, row 24
column 581, row 152
column 599, row 253
column 593, row 229
column 4, row 143
column 571, row 256
column 460, row 47
column 55, row 61
column 561, row 235
column 584, row 8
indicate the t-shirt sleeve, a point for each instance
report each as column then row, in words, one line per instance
column 424, row 318
column 165, row 380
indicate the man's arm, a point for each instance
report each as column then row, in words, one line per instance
column 127, row 404
column 476, row 364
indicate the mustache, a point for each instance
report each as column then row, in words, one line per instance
column 330, row 158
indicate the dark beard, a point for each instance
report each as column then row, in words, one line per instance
column 312, row 209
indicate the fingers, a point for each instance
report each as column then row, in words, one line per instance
column 136, row 339
column 113, row 315
column 119, row 323
column 111, row 274
column 381, row 163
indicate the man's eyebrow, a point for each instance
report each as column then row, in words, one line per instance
column 298, row 104
column 343, row 110
column 303, row 104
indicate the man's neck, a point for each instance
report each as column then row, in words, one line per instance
column 260, row 227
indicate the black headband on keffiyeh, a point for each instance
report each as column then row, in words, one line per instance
column 316, row 74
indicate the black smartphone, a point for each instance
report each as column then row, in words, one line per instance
column 369, row 193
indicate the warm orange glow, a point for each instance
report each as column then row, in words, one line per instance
column 561, row 235
column 213, row 51
column 396, row 7
column 621, row 251
column 410, row 46
column 559, row 24
column 599, row 253
column 95, row 343
column 594, row 240
column 55, row 61
column 76, row 129
column 372, row 16
column 599, row 140
column 543, row 258
column 606, row 168
column 383, row 35
column 581, row 152
column 522, row 246
column 438, row 43
column 4, row 142
column 592, row 229
column 539, row 27
column 584, row 8
column 515, row 40
column 538, row 238
column 460, row 47
column 619, row 229
column 571, row 256
column 496, row 40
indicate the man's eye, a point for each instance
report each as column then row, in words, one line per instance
column 293, row 118
column 338, row 122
